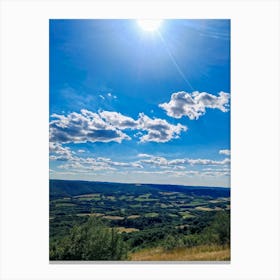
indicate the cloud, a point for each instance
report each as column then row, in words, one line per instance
column 144, row 155
column 118, row 120
column 224, row 152
column 101, row 96
column 81, row 151
column 194, row 105
column 158, row 161
column 188, row 173
column 208, row 161
column 57, row 152
column 83, row 127
column 158, row 130
column 106, row 126
column 163, row 162
column 110, row 95
column 97, row 164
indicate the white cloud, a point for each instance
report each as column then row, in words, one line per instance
column 106, row 126
column 208, row 161
column 158, row 161
column 83, row 127
column 224, row 152
column 57, row 152
column 110, row 95
column 158, row 130
column 144, row 155
column 118, row 120
column 81, row 151
column 193, row 105
column 161, row 161
column 101, row 96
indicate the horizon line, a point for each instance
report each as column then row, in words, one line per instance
column 127, row 183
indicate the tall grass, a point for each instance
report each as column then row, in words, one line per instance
column 197, row 253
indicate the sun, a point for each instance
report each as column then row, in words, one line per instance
column 149, row 25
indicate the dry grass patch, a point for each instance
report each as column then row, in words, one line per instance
column 133, row 217
column 127, row 230
column 203, row 208
column 108, row 217
column 90, row 214
column 199, row 253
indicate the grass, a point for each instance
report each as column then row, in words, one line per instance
column 127, row 230
column 113, row 217
column 198, row 253
column 90, row 214
column 186, row 215
column 151, row 215
column 133, row 216
column 65, row 204
column 90, row 198
column 203, row 208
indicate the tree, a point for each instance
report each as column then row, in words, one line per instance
column 90, row 241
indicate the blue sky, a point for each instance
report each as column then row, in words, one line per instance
column 131, row 105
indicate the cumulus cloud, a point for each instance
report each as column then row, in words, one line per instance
column 158, row 130
column 83, row 127
column 106, row 126
column 57, row 152
column 194, row 105
column 224, row 152
column 118, row 120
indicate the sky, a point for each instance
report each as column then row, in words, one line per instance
column 140, row 101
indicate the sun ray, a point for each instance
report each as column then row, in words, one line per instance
column 175, row 62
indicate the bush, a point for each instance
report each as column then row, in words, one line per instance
column 90, row 241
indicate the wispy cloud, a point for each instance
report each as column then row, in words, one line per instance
column 224, row 152
column 162, row 161
column 194, row 105
column 97, row 164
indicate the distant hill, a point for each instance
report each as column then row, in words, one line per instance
column 62, row 188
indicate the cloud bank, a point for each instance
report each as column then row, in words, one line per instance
column 106, row 126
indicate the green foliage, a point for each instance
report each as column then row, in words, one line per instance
column 219, row 230
column 90, row 241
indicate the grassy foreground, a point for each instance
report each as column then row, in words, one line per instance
column 198, row 253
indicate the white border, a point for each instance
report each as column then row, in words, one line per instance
column 255, row 138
